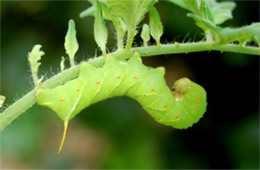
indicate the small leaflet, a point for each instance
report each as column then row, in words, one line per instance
column 100, row 30
column 71, row 43
column 155, row 25
column 145, row 34
column 62, row 64
column 34, row 57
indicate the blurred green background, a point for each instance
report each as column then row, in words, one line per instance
column 118, row 133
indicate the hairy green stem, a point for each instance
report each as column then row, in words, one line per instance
column 195, row 47
column 120, row 41
column 239, row 49
column 130, row 38
column 16, row 109
column 21, row 105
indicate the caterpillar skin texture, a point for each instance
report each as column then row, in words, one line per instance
column 180, row 108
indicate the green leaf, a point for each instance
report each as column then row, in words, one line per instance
column 225, row 35
column 2, row 100
column 34, row 57
column 204, row 24
column 243, row 34
column 256, row 38
column 131, row 12
column 217, row 12
column 100, row 29
column 118, row 23
column 206, row 12
column 193, row 5
column 210, row 11
column 145, row 34
column 221, row 11
column 71, row 44
column 155, row 25
column 124, row 15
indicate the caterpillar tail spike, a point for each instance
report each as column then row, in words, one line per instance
column 65, row 130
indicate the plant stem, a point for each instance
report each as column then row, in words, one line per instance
column 16, row 109
column 195, row 47
column 130, row 38
column 239, row 49
column 21, row 105
column 120, row 41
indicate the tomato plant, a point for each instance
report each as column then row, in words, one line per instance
column 114, row 72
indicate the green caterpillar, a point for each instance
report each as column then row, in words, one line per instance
column 180, row 108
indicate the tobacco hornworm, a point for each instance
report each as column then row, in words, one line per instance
column 180, row 108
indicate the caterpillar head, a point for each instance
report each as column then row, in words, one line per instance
column 180, row 87
column 190, row 103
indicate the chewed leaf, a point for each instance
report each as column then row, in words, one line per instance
column 2, row 100
column 155, row 25
column 71, row 43
column 34, row 57
column 100, row 29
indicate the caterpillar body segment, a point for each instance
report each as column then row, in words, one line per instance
column 115, row 73
column 63, row 99
column 180, row 108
